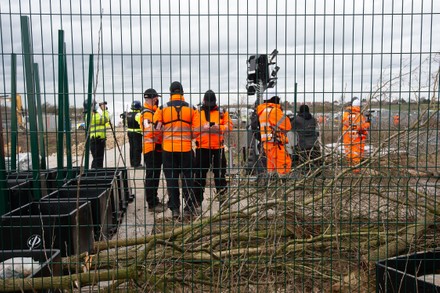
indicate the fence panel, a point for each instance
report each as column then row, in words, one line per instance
column 314, row 191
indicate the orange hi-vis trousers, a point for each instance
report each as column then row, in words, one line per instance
column 278, row 159
column 354, row 147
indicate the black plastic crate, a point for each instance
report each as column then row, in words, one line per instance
column 49, row 259
column 20, row 195
column 55, row 179
column 123, row 181
column 101, row 204
column 91, row 183
column 119, row 180
column 14, row 179
column 41, row 224
column 20, row 192
column 409, row 273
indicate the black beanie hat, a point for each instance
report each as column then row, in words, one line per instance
column 274, row 100
column 210, row 99
column 176, row 88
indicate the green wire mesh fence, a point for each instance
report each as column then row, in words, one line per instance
column 332, row 186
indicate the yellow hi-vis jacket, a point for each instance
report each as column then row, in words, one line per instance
column 98, row 124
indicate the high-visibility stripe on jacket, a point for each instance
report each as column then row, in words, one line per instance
column 355, row 131
column 354, row 123
column 180, row 123
column 273, row 123
column 152, row 137
column 214, row 139
column 98, row 124
column 133, row 121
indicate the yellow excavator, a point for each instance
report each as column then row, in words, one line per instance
column 19, row 110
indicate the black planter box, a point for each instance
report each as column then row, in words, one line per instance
column 19, row 177
column 408, row 273
column 49, row 259
column 55, row 179
column 101, row 204
column 20, row 195
column 42, row 225
column 14, row 179
column 91, row 183
column 122, row 179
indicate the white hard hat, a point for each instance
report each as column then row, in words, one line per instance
column 356, row 103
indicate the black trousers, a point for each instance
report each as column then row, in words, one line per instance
column 97, row 148
column 177, row 164
column 153, row 164
column 135, row 141
column 205, row 158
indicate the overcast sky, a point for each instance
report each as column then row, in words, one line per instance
column 329, row 48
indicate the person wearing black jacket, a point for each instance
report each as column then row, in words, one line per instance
column 134, row 134
column 307, row 148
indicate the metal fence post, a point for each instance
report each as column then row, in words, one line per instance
column 40, row 116
column 30, row 90
column 14, row 128
column 87, row 111
column 60, row 136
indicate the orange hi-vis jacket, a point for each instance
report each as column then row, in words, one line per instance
column 214, row 139
column 273, row 123
column 180, row 122
column 354, row 130
column 152, row 137
column 354, row 125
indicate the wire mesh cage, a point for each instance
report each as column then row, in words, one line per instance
column 233, row 146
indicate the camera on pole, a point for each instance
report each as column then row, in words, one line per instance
column 259, row 78
column 261, row 75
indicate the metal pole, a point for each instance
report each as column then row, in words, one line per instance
column 4, row 202
column 14, row 128
column 295, row 97
column 67, row 120
column 88, row 117
column 40, row 117
column 30, row 89
column 60, row 136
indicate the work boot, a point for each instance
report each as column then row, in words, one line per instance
column 158, row 208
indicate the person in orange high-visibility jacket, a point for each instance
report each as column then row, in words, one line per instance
column 152, row 149
column 273, row 128
column 354, row 130
column 210, row 146
column 396, row 120
column 180, row 122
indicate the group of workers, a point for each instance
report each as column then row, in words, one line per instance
column 166, row 135
column 274, row 127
